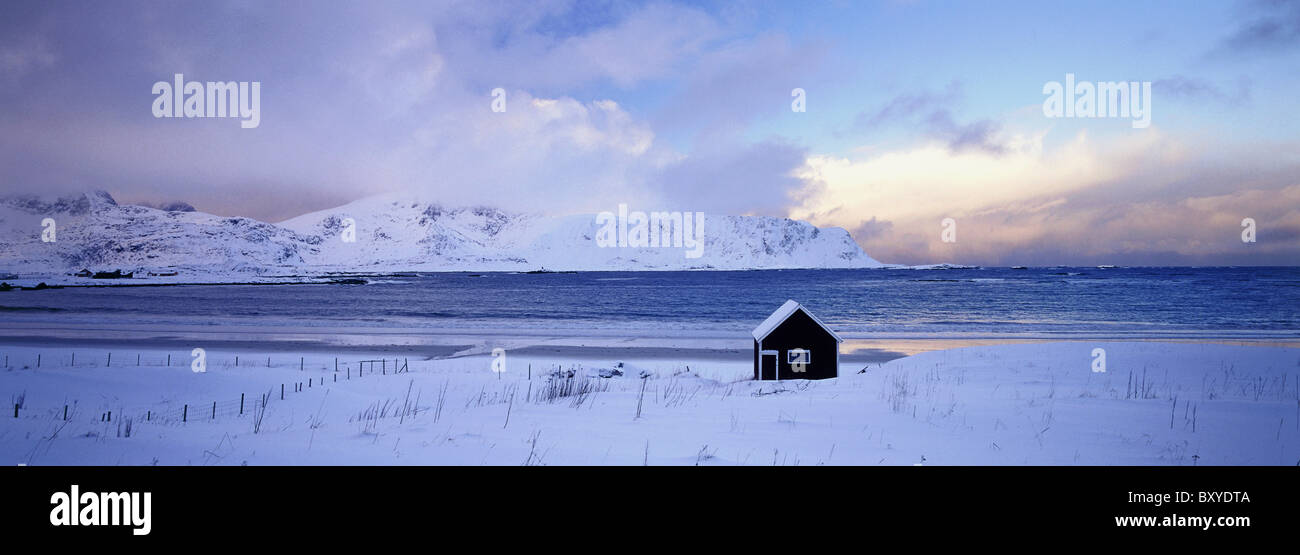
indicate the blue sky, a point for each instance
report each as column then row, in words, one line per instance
column 916, row 111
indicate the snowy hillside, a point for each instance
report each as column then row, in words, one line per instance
column 408, row 235
column 93, row 231
column 391, row 234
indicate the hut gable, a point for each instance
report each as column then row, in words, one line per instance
column 793, row 343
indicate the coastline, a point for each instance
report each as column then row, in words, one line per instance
column 449, row 342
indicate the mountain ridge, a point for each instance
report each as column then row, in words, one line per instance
column 392, row 234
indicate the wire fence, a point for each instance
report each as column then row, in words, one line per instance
column 171, row 412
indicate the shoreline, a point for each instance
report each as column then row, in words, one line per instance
column 451, row 343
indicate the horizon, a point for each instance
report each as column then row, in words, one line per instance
column 722, row 108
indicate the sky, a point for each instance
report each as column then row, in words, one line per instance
column 915, row 113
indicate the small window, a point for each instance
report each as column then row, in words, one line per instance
column 801, row 357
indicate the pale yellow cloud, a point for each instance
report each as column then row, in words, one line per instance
column 1084, row 199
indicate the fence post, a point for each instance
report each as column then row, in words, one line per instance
column 110, row 416
column 38, row 360
column 65, row 413
column 15, row 410
column 74, row 359
column 148, row 415
column 241, row 403
column 185, row 413
column 169, row 360
column 281, row 392
column 300, row 359
column 214, row 410
column 137, row 359
column 268, row 362
column 110, row 359
column 336, row 364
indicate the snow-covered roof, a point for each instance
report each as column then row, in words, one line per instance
column 784, row 312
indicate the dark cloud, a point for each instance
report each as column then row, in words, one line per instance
column 905, row 107
column 1272, row 26
column 932, row 112
column 1179, row 86
column 976, row 135
column 870, row 229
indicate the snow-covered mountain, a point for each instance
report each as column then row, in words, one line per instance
column 92, row 231
column 406, row 234
column 391, row 234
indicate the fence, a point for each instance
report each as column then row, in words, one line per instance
column 172, row 413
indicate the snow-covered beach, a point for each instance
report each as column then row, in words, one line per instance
column 1157, row 403
column 960, row 366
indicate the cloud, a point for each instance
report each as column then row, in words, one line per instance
column 738, row 82
column 931, row 111
column 657, row 104
column 24, row 50
column 358, row 101
column 624, row 49
column 1179, row 86
column 1272, row 26
column 1144, row 199
column 757, row 179
column 977, row 135
column 906, row 106
column 870, row 229
column 541, row 154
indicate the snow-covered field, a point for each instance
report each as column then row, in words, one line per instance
column 1035, row 404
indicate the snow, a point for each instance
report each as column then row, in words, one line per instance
column 422, row 235
column 393, row 234
column 781, row 314
column 1038, row 403
column 94, row 232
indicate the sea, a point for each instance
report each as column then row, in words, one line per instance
column 1055, row 302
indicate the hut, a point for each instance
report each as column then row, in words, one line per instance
column 793, row 344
